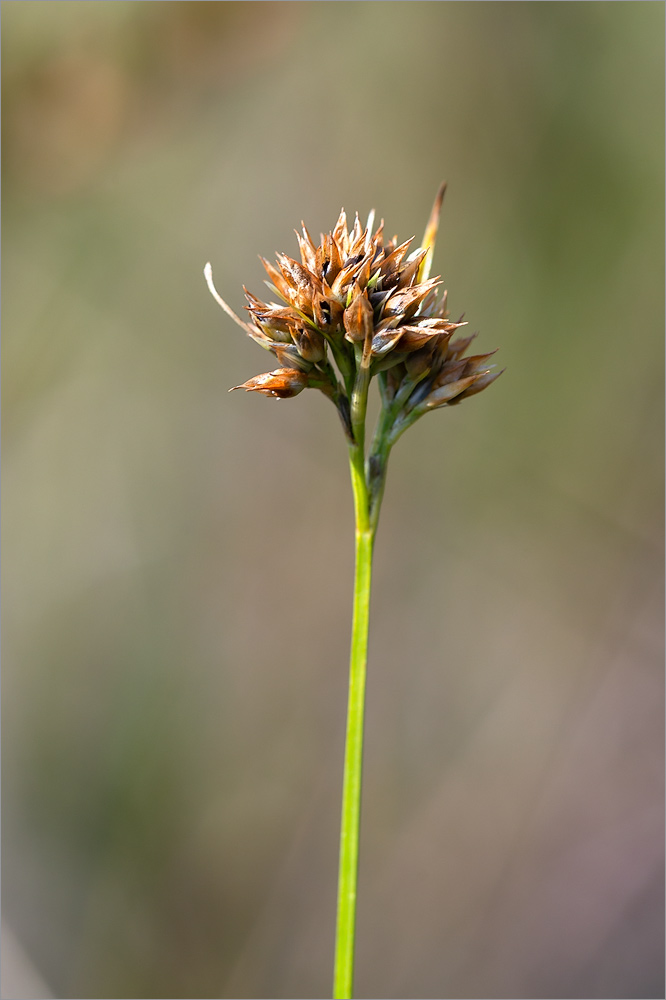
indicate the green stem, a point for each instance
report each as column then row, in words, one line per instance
column 359, row 403
column 351, row 794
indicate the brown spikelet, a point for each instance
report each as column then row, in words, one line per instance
column 281, row 383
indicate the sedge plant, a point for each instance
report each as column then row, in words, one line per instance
column 353, row 309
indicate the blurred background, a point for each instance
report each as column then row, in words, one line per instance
column 178, row 562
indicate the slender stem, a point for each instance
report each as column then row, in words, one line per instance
column 359, row 487
column 351, row 794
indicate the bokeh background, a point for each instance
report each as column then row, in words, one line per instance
column 178, row 562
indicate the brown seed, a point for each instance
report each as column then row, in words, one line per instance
column 327, row 312
column 281, row 383
column 358, row 318
column 311, row 345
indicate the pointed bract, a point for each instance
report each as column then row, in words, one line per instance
column 430, row 235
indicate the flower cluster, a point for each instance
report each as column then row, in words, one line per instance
column 369, row 306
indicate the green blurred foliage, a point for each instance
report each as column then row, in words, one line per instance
column 178, row 562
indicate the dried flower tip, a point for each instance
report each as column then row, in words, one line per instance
column 430, row 234
column 208, row 275
column 283, row 383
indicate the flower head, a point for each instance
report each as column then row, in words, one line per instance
column 370, row 306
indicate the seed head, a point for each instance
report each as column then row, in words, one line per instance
column 366, row 304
